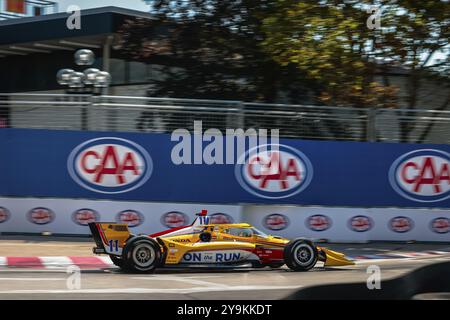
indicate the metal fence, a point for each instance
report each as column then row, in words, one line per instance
column 163, row 115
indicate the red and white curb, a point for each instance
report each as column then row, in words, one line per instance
column 400, row 255
column 101, row 262
column 55, row 262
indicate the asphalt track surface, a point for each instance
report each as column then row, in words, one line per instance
column 253, row 284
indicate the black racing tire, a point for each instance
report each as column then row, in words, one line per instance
column 300, row 255
column 141, row 255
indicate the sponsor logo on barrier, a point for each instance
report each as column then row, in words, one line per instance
column 276, row 222
column 109, row 165
column 132, row 218
column 318, row 222
column 4, row 214
column 85, row 216
column 422, row 175
column 401, row 224
column 174, row 219
column 274, row 171
column 440, row 225
column 360, row 223
column 221, row 218
column 41, row 215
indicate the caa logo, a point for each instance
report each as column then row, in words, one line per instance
column 440, row 225
column 85, row 216
column 4, row 214
column 277, row 172
column 221, row 218
column 276, row 222
column 422, row 175
column 109, row 165
column 401, row 224
column 41, row 215
column 360, row 223
column 174, row 219
column 130, row 217
column 318, row 222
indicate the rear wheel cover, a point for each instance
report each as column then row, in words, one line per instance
column 141, row 254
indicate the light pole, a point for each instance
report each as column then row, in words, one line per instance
column 90, row 80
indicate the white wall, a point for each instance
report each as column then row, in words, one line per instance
column 338, row 225
column 64, row 208
column 292, row 221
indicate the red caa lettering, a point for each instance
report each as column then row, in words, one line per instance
column 425, row 173
column 281, row 175
column 109, row 165
column 422, row 175
column 117, row 168
column 274, row 171
column 84, row 164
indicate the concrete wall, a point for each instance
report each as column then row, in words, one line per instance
column 69, row 216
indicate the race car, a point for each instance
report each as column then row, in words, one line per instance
column 205, row 244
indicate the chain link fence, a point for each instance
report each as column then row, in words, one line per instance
column 163, row 115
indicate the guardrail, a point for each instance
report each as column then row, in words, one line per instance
column 147, row 114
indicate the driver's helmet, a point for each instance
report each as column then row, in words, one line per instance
column 245, row 233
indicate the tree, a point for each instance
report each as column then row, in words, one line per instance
column 330, row 41
column 210, row 49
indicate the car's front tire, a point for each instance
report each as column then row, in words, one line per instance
column 141, row 254
column 300, row 255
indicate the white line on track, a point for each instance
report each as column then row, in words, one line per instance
column 404, row 260
column 148, row 290
column 373, row 261
column 33, row 279
column 189, row 280
column 87, row 244
column 157, row 277
column 24, row 270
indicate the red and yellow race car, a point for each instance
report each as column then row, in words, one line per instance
column 205, row 244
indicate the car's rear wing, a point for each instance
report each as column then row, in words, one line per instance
column 109, row 237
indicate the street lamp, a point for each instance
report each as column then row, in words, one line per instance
column 89, row 77
column 84, row 57
column 89, row 81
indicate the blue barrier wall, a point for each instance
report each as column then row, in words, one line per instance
column 133, row 166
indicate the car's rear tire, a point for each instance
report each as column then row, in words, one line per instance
column 141, row 255
column 300, row 255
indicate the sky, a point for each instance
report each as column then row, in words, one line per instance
column 88, row 4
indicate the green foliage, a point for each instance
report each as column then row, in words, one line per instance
column 331, row 42
column 254, row 49
column 210, row 49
